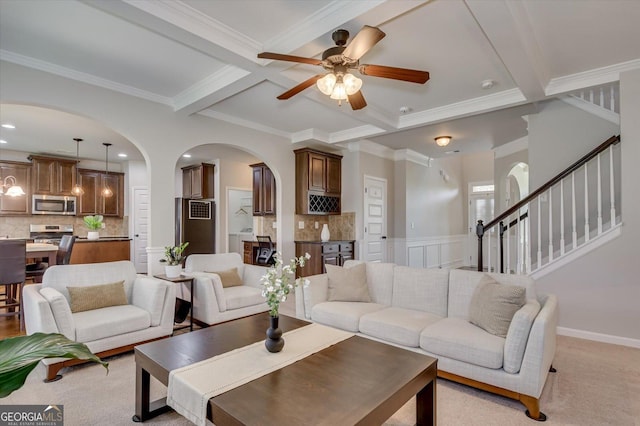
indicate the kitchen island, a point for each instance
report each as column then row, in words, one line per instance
column 105, row 249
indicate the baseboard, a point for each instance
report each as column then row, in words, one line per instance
column 599, row 337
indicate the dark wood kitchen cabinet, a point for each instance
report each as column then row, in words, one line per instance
column 92, row 202
column 52, row 176
column 15, row 206
column 264, row 190
column 318, row 182
column 197, row 181
column 323, row 253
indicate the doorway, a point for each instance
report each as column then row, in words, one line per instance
column 140, row 223
column 239, row 218
column 375, row 219
column 481, row 207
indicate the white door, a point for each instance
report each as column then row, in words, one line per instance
column 481, row 208
column 375, row 219
column 140, row 220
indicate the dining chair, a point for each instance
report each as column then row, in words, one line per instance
column 63, row 256
column 265, row 253
column 12, row 276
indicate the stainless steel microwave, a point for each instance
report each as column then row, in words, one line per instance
column 53, row 204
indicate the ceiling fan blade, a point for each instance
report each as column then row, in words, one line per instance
column 290, row 58
column 366, row 38
column 300, row 87
column 405, row 74
column 357, row 100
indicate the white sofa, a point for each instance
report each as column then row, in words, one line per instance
column 427, row 311
column 213, row 303
column 148, row 314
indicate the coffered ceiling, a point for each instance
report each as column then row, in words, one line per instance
column 200, row 57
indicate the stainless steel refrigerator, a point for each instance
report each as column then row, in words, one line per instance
column 195, row 223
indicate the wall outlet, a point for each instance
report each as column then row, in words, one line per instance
column 104, row 225
column 413, row 225
column 274, row 225
column 301, row 224
column 317, row 225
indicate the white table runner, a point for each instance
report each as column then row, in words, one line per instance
column 191, row 387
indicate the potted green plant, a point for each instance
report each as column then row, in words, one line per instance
column 173, row 257
column 20, row 355
column 94, row 223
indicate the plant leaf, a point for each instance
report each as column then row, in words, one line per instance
column 20, row 355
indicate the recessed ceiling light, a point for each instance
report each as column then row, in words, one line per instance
column 8, row 126
column 123, row 155
column 186, row 155
column 405, row 109
column 487, row 84
column 3, row 141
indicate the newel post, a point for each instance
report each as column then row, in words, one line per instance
column 480, row 234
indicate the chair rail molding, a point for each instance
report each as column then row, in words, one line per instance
column 443, row 251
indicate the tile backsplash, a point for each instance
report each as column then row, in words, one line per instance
column 18, row 226
column 341, row 227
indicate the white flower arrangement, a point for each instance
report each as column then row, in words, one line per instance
column 276, row 282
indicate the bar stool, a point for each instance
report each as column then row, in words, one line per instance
column 265, row 253
column 63, row 256
column 12, row 275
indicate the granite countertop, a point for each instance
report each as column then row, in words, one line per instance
column 85, row 240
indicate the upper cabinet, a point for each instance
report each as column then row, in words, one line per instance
column 92, row 202
column 52, row 176
column 197, row 181
column 10, row 206
column 318, row 182
column 264, row 190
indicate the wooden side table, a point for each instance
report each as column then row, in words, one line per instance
column 179, row 280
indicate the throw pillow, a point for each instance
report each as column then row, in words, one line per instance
column 229, row 277
column 493, row 305
column 99, row 296
column 348, row 284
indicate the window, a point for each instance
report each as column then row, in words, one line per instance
column 482, row 188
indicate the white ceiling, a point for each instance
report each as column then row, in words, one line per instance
column 199, row 56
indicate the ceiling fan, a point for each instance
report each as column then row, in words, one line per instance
column 338, row 83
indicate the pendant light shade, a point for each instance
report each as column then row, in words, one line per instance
column 77, row 189
column 106, row 191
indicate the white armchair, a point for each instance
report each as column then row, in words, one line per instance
column 147, row 314
column 212, row 302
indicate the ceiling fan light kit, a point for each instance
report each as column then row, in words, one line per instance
column 443, row 140
column 339, row 83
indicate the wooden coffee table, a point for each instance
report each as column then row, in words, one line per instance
column 356, row 381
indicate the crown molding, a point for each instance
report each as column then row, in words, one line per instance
column 461, row 109
column 589, row 78
column 184, row 16
column 311, row 134
column 413, row 156
column 355, row 133
column 244, row 123
column 372, row 148
column 511, row 147
column 225, row 76
column 83, row 77
column 319, row 23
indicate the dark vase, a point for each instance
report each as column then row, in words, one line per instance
column 274, row 342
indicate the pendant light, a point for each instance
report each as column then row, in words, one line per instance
column 77, row 189
column 106, row 191
column 11, row 185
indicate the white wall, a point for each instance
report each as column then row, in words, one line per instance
column 599, row 293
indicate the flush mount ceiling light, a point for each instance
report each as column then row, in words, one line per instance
column 8, row 126
column 77, row 189
column 106, row 191
column 443, row 140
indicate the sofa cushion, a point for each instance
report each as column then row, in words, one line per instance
column 493, row 305
column 463, row 283
column 97, row 296
column 214, row 262
column 229, row 277
column 379, row 280
column 460, row 340
column 518, row 335
column 344, row 315
column 242, row 296
column 348, row 284
column 397, row 325
column 421, row 289
column 112, row 321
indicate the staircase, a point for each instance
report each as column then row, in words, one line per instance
column 573, row 213
column 602, row 101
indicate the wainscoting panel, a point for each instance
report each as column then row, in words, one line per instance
column 430, row 252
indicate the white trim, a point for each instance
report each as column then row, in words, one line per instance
column 355, row 133
column 511, row 147
column 244, row 123
column 413, row 156
column 589, row 78
column 83, row 77
column 474, row 106
column 220, row 79
column 599, row 337
column 428, row 251
column 372, row 148
column 311, row 134
column 591, row 108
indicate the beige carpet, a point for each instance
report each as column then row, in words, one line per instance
column 596, row 384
